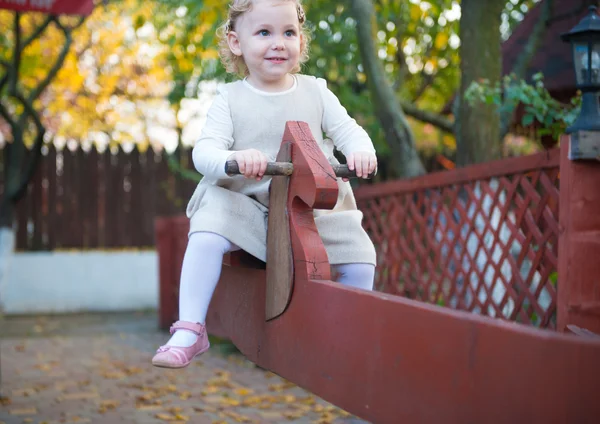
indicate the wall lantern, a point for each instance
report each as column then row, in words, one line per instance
column 585, row 41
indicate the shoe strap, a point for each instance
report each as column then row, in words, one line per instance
column 195, row 328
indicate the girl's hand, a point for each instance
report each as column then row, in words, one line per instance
column 364, row 163
column 252, row 163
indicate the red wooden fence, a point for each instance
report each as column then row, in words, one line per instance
column 482, row 239
column 90, row 200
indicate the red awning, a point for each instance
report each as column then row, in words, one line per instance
column 52, row 7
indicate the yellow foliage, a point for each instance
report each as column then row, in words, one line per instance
column 415, row 12
column 441, row 40
column 115, row 77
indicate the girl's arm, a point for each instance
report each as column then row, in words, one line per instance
column 346, row 134
column 213, row 147
column 349, row 137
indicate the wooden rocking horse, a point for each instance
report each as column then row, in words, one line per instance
column 384, row 358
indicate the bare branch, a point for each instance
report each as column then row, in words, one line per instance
column 36, row 151
column 80, row 22
column 432, row 118
column 402, row 68
column 425, row 84
column 6, row 115
column 17, row 54
column 55, row 68
column 38, row 32
column 4, row 79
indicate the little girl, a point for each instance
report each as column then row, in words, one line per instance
column 265, row 41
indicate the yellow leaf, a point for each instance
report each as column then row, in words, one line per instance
column 270, row 415
column 166, row 417
column 415, row 12
column 242, row 391
column 252, row 400
column 293, row 415
column 24, row 411
column 210, row 390
column 441, row 40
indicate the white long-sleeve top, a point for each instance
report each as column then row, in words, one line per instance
column 216, row 142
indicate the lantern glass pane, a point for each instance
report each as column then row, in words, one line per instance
column 595, row 75
column 581, row 60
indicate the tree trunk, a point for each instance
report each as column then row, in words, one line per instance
column 406, row 161
column 478, row 127
column 13, row 157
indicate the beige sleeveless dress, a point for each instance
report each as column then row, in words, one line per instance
column 237, row 207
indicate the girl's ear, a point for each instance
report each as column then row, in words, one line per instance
column 234, row 43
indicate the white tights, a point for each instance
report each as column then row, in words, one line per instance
column 201, row 271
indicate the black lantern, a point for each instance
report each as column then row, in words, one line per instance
column 585, row 41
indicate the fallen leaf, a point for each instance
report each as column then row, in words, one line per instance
column 294, row 415
column 47, row 366
column 308, row 400
column 238, row 418
column 149, row 407
column 243, row 391
column 24, row 411
column 271, row 415
column 210, row 390
column 185, row 395
column 165, row 417
column 252, row 400
column 108, row 405
column 223, row 373
column 77, row 419
column 208, row 408
column 114, row 375
column 289, row 398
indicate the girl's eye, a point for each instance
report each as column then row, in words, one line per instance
column 263, row 32
column 290, row 33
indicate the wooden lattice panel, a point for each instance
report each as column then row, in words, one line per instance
column 482, row 239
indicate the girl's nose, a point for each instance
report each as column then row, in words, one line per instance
column 278, row 43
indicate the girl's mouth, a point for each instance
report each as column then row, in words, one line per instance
column 276, row 59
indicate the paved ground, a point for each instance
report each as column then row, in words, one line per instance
column 96, row 369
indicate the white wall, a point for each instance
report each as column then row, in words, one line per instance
column 55, row 282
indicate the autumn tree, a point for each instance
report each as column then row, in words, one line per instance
column 28, row 69
column 478, row 130
column 395, row 65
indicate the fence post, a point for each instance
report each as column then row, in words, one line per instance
column 579, row 233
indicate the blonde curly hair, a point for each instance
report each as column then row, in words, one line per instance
column 235, row 64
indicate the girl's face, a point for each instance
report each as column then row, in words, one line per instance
column 268, row 37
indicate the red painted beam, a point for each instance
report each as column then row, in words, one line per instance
column 390, row 360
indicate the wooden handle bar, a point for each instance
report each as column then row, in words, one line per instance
column 286, row 168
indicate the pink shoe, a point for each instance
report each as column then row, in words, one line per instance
column 179, row 357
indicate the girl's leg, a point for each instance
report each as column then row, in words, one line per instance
column 359, row 276
column 200, row 274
